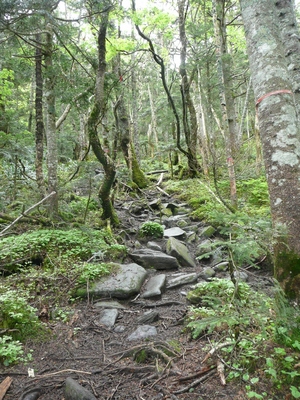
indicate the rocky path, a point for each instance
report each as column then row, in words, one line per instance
column 127, row 340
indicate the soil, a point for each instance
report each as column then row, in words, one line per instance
column 106, row 363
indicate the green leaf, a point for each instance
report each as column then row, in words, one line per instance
column 295, row 392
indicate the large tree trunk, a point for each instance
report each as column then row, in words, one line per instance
column 279, row 130
column 95, row 119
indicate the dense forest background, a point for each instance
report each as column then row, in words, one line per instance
column 105, row 99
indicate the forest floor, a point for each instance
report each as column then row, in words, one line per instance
column 106, row 363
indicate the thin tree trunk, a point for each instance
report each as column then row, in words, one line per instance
column 190, row 125
column 52, row 160
column 39, row 121
column 225, row 99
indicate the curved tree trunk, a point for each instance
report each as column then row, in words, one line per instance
column 94, row 120
column 279, row 131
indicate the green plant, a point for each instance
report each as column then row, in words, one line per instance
column 151, row 229
column 17, row 315
column 11, row 351
column 88, row 272
column 46, row 246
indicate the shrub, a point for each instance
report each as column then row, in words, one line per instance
column 151, row 229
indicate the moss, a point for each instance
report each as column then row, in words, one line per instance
column 287, row 272
column 138, row 176
column 141, row 356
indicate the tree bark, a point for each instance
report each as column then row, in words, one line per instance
column 279, row 131
column 190, row 125
column 226, row 98
column 94, row 120
column 52, row 160
column 39, row 120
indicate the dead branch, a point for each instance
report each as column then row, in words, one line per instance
column 62, row 372
column 214, row 349
column 203, row 370
column 4, row 386
column 194, row 383
column 27, row 212
column 220, row 370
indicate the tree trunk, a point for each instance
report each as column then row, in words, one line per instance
column 94, row 120
column 290, row 39
column 127, row 146
column 39, row 121
column 279, row 131
column 190, row 125
column 52, row 160
column 226, row 99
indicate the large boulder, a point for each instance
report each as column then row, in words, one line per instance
column 124, row 283
column 179, row 250
column 149, row 258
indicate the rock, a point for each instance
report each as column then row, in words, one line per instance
column 207, row 273
column 148, row 317
column 204, row 249
column 108, row 317
column 154, row 259
column 32, row 394
column 172, row 232
column 126, row 282
column 179, row 250
column 109, row 304
column 173, row 221
column 119, row 328
column 181, row 280
column 221, row 267
column 182, row 223
column 143, row 332
column 241, row 276
column 191, row 236
column 208, row 231
column 154, row 286
column 74, row 391
column 154, row 246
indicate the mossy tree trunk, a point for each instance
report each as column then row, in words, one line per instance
column 137, row 175
column 95, row 119
column 279, row 131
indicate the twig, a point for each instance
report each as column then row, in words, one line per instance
column 214, row 349
column 203, row 370
column 62, row 372
column 194, row 383
column 27, row 212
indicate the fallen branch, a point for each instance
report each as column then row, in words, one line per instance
column 214, row 349
column 203, row 370
column 62, row 372
column 194, row 383
column 220, row 370
column 4, row 386
column 27, row 212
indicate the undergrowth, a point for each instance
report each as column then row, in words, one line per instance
column 255, row 336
